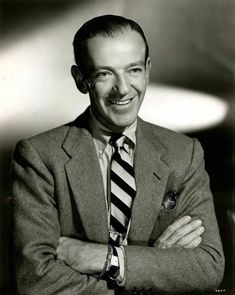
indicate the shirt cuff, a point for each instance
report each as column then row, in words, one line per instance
column 121, row 278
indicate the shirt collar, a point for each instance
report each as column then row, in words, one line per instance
column 102, row 134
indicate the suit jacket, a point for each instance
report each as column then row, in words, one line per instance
column 58, row 189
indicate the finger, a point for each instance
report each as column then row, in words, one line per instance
column 191, row 236
column 59, row 253
column 160, row 245
column 195, row 243
column 60, row 248
column 62, row 240
column 173, row 227
column 183, row 231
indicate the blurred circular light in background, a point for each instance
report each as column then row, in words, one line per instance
column 182, row 110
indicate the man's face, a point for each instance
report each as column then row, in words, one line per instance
column 118, row 75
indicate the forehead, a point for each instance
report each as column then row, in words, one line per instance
column 117, row 51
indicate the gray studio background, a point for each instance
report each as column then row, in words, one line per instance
column 192, row 47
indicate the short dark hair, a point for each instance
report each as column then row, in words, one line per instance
column 107, row 26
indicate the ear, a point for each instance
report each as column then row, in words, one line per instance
column 148, row 68
column 79, row 79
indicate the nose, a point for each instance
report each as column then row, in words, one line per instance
column 122, row 85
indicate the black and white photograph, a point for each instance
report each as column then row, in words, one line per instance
column 117, row 149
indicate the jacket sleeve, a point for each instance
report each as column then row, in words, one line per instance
column 37, row 230
column 177, row 269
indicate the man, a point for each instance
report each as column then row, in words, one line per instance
column 110, row 204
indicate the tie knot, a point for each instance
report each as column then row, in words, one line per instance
column 117, row 140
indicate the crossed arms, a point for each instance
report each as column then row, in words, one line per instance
column 89, row 258
column 179, row 260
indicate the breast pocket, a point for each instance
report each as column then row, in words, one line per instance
column 167, row 214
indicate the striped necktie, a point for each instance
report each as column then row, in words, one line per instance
column 123, row 190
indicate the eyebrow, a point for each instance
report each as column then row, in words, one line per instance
column 133, row 64
column 137, row 63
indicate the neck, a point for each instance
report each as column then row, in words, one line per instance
column 108, row 127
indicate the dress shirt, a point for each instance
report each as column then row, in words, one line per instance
column 101, row 136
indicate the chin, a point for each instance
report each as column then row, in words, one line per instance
column 123, row 123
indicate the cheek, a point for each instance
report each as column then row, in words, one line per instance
column 100, row 92
column 98, row 98
column 140, row 85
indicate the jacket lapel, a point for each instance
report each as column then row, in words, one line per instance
column 151, row 174
column 85, row 180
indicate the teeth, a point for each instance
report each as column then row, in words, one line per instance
column 119, row 102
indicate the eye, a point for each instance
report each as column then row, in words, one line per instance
column 136, row 70
column 102, row 75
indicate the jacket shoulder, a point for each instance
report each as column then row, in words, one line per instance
column 50, row 137
column 46, row 144
column 179, row 149
column 54, row 138
column 166, row 136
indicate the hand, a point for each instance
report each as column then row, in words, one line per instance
column 182, row 233
column 84, row 257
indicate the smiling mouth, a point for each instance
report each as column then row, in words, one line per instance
column 121, row 102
